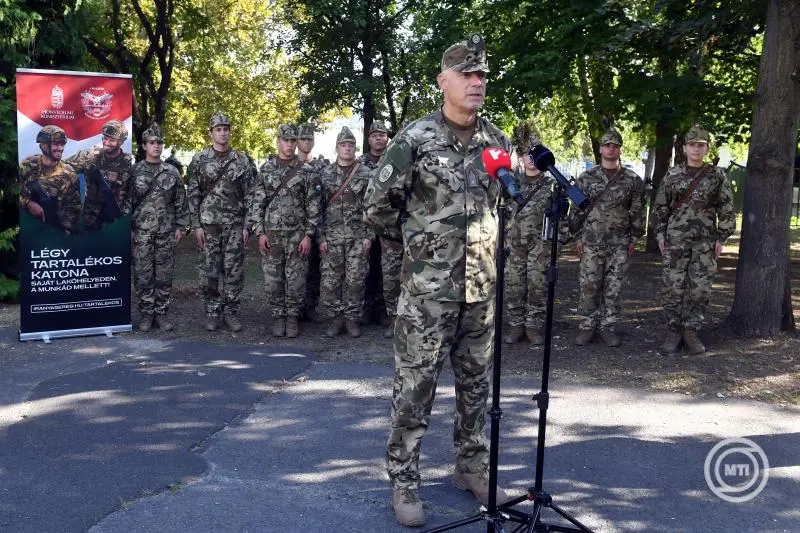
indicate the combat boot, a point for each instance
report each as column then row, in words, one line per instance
column 478, row 484
column 233, row 323
column 610, row 338
column 692, row 342
column 514, row 334
column 212, row 323
column 279, row 327
column 163, row 323
column 535, row 335
column 671, row 342
column 292, row 329
column 353, row 328
column 146, row 323
column 408, row 507
column 584, row 337
column 336, row 326
column 312, row 315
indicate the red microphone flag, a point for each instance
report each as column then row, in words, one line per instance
column 494, row 159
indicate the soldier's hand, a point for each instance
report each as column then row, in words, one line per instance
column 36, row 210
column 717, row 249
column 579, row 248
column 661, row 245
column 178, row 235
column 305, row 246
column 323, row 248
column 367, row 246
column 263, row 243
column 246, row 235
column 200, row 238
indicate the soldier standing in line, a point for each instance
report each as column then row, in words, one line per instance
column 285, row 214
column 218, row 198
column 160, row 216
column 305, row 144
column 344, row 244
column 108, row 173
column 694, row 217
column 526, row 286
column 432, row 180
column 49, row 190
column 606, row 232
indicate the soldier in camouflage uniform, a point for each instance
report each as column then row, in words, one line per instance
column 115, row 173
column 432, row 182
column 344, row 243
column 49, row 188
column 285, row 214
column 529, row 253
column 305, row 144
column 218, row 197
column 386, row 255
column 606, row 233
column 694, row 216
column 160, row 216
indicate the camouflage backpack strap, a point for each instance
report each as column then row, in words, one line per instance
column 581, row 217
column 692, row 186
column 149, row 192
column 287, row 176
column 528, row 197
column 344, row 185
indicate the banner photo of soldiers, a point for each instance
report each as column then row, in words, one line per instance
column 74, row 152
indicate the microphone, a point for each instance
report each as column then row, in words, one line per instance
column 497, row 163
column 544, row 159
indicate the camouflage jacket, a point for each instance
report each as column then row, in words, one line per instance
column 525, row 227
column 447, row 204
column 707, row 214
column 219, row 188
column 159, row 199
column 117, row 173
column 59, row 183
column 369, row 161
column 345, row 216
column 296, row 206
column 618, row 218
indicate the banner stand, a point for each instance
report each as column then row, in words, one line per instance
column 48, row 336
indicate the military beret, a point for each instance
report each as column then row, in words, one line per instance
column 466, row 56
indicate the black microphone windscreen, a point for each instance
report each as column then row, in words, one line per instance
column 542, row 157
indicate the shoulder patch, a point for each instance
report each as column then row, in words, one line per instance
column 386, row 173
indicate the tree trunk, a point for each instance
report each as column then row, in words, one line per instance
column 663, row 160
column 762, row 300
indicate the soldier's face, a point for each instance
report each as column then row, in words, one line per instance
column 695, row 151
column 377, row 141
column 305, row 145
column 610, row 151
column 463, row 90
column 346, row 151
column 153, row 148
column 528, row 166
column 220, row 134
column 53, row 150
column 286, row 148
column 111, row 145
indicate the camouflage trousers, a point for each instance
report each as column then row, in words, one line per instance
column 153, row 265
column 391, row 265
column 601, row 275
column 689, row 269
column 284, row 273
column 425, row 333
column 526, row 284
column 313, row 277
column 344, row 268
column 374, row 303
column 222, row 259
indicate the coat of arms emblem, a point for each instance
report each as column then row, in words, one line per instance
column 57, row 98
column 96, row 105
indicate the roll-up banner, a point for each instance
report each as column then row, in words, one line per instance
column 75, row 237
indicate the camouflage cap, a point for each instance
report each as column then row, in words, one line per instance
column 287, row 132
column 49, row 134
column 697, row 134
column 345, row 136
column 153, row 133
column 611, row 136
column 378, row 126
column 466, row 56
column 115, row 129
column 218, row 119
column 305, row 131
column 525, row 136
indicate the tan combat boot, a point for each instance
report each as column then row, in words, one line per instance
column 163, row 323
column 610, row 338
column 279, row 327
column 535, row 335
column 232, row 321
column 584, row 337
column 692, row 342
column 146, row 323
column 212, row 323
column 408, row 507
column 292, row 329
column 514, row 334
column 336, row 326
column 353, row 328
column 671, row 342
column 478, row 484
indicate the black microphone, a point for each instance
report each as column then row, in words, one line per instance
column 497, row 163
column 544, row 159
